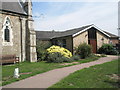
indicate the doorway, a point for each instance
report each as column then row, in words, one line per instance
column 92, row 39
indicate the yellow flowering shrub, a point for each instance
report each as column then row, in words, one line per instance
column 61, row 50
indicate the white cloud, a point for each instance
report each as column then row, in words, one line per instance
column 102, row 15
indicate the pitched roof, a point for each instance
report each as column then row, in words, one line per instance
column 46, row 35
column 14, row 7
column 111, row 35
column 73, row 31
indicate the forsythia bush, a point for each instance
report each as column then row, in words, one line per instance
column 61, row 50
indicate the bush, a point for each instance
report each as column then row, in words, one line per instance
column 84, row 50
column 41, row 54
column 107, row 49
column 57, row 57
column 75, row 58
column 67, row 59
column 61, row 50
column 41, row 50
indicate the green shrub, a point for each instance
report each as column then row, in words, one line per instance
column 55, row 57
column 67, row 59
column 84, row 50
column 107, row 49
column 75, row 58
column 41, row 50
column 41, row 54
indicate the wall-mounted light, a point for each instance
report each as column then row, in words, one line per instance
column 102, row 39
column 86, row 35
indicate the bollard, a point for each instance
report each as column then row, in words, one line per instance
column 16, row 73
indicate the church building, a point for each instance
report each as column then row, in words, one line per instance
column 17, row 35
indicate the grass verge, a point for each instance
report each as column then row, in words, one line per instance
column 31, row 69
column 100, row 76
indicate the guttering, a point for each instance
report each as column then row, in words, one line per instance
column 89, row 28
column 12, row 12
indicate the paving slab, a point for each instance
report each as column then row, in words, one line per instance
column 49, row 78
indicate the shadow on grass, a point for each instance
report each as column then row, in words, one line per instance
column 114, row 80
column 115, row 84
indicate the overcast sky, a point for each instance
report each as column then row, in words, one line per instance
column 61, row 16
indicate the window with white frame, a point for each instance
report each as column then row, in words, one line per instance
column 7, row 32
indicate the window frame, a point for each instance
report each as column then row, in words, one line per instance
column 9, row 25
column 64, row 43
column 7, row 34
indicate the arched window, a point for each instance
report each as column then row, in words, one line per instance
column 7, row 34
column 7, row 30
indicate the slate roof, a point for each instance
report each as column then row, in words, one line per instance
column 111, row 35
column 47, row 35
column 73, row 31
column 14, row 7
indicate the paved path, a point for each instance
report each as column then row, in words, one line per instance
column 49, row 78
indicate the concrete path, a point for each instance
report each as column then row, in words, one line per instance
column 49, row 78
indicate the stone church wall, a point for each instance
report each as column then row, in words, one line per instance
column 18, row 36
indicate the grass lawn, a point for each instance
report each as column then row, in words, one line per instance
column 26, row 67
column 99, row 76
column 33, row 68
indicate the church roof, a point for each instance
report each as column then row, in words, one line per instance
column 47, row 35
column 14, row 7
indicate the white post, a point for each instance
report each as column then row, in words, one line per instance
column 16, row 73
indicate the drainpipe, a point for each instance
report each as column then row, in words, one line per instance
column 72, row 45
column 21, row 38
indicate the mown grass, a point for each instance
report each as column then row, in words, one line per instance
column 99, row 76
column 26, row 67
column 89, row 59
column 33, row 69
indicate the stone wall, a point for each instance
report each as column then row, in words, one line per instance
column 15, row 47
column 0, row 35
column 33, row 54
column 23, row 38
column 18, row 35
column 22, row 35
column 31, row 34
column 79, row 39
column 101, row 39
